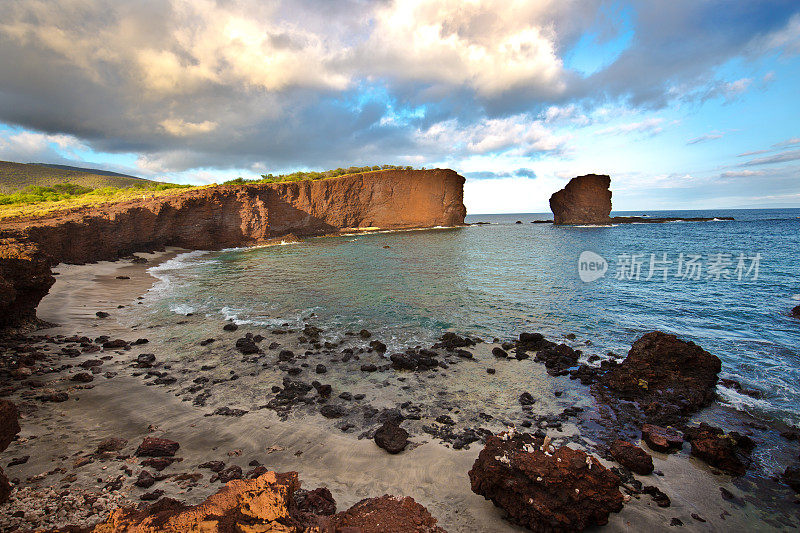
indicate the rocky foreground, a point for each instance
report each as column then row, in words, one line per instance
column 541, row 482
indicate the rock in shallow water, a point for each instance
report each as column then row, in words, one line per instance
column 157, row 447
column 545, row 490
column 632, row 457
column 729, row 452
column 660, row 439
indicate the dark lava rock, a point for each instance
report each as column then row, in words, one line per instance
column 139, row 342
column 89, row 363
column 729, row 452
column 566, row 490
column 391, row 437
column 660, row 439
column 227, row 411
column 414, row 360
column 499, row 352
column 114, row 444
column 321, row 369
column 533, row 342
column 490, row 370
column 82, row 377
column 115, row 344
column 230, row 327
column 333, row 411
column 668, row 377
column 145, row 480
column 151, row 496
column 364, row 334
column 157, row 447
column 445, row 419
column 206, row 342
column 102, row 314
column 159, row 463
column 318, row 501
column 378, row 346
column 631, row 457
column 450, row 341
column 285, row 355
column 369, row 367
column 247, row 345
column 230, row 473
column 214, row 466
column 19, row 460
column 526, row 399
column 661, row 499
column 796, row 311
column 53, row 396
column 557, row 359
column 146, row 359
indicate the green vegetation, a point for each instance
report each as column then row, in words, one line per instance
column 35, row 194
column 17, row 176
column 306, row 176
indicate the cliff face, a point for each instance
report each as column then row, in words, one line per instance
column 585, row 200
column 219, row 217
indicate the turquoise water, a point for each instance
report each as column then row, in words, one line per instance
column 500, row 279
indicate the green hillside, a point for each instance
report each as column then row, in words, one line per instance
column 17, row 176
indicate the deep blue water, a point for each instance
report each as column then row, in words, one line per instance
column 500, row 279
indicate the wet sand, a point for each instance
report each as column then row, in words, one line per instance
column 56, row 434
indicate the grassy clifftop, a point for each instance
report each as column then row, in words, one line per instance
column 17, row 176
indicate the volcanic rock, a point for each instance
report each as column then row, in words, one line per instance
column 729, row 452
column 387, row 514
column 792, row 477
column 318, row 501
column 391, row 437
column 796, row 311
column 585, row 200
column 557, row 359
column 669, row 378
column 157, row 447
column 113, row 444
column 450, row 341
column 545, row 490
column 660, row 439
column 632, row 457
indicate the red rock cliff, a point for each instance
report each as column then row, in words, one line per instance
column 585, row 200
column 225, row 216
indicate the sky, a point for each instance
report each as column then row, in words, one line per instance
column 686, row 104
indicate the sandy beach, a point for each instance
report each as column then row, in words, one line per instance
column 121, row 403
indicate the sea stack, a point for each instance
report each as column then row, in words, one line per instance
column 585, row 200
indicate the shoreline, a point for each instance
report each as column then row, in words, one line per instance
column 55, row 434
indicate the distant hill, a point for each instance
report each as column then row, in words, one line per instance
column 16, row 176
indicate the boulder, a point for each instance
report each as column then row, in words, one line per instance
column 157, row 447
column 387, row 514
column 730, row 452
column 247, row 345
column 661, row 439
column 631, row 457
column 318, row 501
column 558, row 359
column 792, row 477
column 391, row 437
column 796, row 311
column 545, row 489
column 584, row 200
column 668, row 377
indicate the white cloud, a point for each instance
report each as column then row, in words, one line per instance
column 649, row 126
column 491, row 46
column 181, row 128
column 31, row 147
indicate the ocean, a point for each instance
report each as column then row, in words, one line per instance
column 727, row 285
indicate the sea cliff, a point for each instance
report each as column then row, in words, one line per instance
column 214, row 218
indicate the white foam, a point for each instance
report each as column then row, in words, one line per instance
column 162, row 272
column 181, row 309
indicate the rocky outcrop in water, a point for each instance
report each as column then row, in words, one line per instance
column 730, row 452
column 217, row 217
column 668, row 377
column 585, row 200
column 543, row 488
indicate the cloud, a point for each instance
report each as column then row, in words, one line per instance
column 650, row 126
column 31, row 147
column 791, row 155
column 788, row 142
column 232, row 83
column 741, row 174
column 707, row 137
